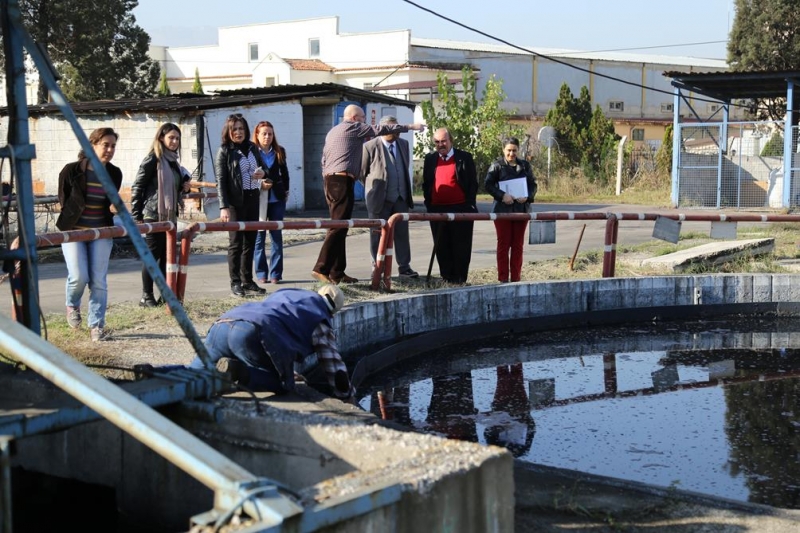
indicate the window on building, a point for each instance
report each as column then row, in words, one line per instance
column 194, row 154
column 637, row 134
column 616, row 106
column 193, row 131
column 313, row 48
column 667, row 108
column 368, row 85
column 269, row 81
column 253, row 51
column 713, row 108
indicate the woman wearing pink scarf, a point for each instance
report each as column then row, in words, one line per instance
column 155, row 197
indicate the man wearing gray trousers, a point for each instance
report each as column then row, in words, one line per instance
column 385, row 171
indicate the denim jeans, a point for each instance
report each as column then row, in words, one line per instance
column 87, row 264
column 241, row 340
column 275, row 212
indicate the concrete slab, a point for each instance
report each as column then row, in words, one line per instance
column 714, row 253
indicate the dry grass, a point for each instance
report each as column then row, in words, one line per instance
column 648, row 189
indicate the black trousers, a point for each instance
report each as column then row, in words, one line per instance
column 157, row 244
column 453, row 242
column 242, row 244
column 339, row 194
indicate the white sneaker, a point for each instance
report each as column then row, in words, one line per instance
column 74, row 317
column 99, row 334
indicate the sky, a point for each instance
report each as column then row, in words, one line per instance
column 660, row 28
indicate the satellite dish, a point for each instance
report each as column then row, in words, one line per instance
column 547, row 136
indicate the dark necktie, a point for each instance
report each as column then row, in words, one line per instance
column 391, row 150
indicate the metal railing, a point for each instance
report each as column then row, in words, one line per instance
column 200, row 227
column 381, row 275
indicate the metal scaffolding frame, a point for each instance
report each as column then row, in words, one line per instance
column 234, row 487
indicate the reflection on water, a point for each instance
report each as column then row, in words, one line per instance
column 714, row 410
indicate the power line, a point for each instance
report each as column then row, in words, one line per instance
column 553, row 59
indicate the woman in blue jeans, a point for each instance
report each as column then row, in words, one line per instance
column 84, row 205
column 273, row 203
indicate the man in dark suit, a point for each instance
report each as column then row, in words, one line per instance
column 450, row 185
column 385, row 166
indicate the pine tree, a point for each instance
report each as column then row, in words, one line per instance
column 163, row 86
column 585, row 138
column 197, row 86
column 765, row 36
column 101, row 53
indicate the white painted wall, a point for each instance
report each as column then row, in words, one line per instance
column 287, row 118
column 56, row 144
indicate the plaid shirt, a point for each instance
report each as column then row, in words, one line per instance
column 343, row 144
column 324, row 341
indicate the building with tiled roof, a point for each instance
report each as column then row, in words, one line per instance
column 630, row 88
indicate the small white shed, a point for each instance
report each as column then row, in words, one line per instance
column 301, row 114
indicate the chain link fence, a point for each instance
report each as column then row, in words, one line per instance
column 740, row 168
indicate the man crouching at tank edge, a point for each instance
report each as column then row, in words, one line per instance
column 257, row 343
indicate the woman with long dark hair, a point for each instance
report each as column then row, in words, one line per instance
column 240, row 179
column 156, row 197
column 510, row 199
column 84, row 205
column 272, row 204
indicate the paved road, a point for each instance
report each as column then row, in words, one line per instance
column 207, row 274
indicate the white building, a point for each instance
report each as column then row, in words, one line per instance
column 397, row 64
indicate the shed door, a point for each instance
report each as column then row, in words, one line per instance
column 317, row 121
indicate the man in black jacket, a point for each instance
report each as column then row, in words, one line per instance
column 450, row 185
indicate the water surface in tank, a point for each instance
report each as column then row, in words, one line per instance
column 711, row 406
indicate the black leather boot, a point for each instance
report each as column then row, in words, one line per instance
column 148, row 300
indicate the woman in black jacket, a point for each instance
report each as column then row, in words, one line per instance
column 156, row 197
column 510, row 197
column 84, row 205
column 240, row 179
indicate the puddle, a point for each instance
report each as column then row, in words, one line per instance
column 709, row 406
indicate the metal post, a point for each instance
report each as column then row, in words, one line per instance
column 5, row 485
column 21, row 152
column 610, row 251
column 787, row 145
column 677, row 135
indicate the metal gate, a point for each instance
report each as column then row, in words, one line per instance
column 739, row 168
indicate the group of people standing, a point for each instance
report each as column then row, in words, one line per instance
column 449, row 185
column 253, row 184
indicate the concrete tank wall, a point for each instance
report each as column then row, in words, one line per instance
column 327, row 451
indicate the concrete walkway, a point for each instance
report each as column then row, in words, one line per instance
column 713, row 253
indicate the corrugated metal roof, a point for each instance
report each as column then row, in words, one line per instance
column 727, row 86
column 194, row 102
column 560, row 53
